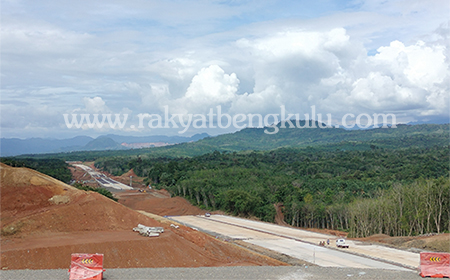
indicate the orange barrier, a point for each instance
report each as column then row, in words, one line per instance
column 435, row 265
column 86, row 267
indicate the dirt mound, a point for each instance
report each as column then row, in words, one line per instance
column 435, row 242
column 33, row 203
column 376, row 237
column 83, row 177
column 157, row 203
column 44, row 221
column 129, row 173
column 328, row 231
column 138, row 182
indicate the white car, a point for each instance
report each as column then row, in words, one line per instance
column 341, row 243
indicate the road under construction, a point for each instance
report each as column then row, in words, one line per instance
column 102, row 179
column 303, row 244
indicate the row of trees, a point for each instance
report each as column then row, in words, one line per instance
column 375, row 190
column 417, row 208
column 362, row 192
column 403, row 209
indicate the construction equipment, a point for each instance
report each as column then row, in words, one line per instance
column 340, row 243
column 148, row 231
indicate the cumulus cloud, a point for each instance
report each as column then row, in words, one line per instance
column 329, row 70
column 112, row 58
column 412, row 80
column 95, row 105
column 288, row 66
column 209, row 88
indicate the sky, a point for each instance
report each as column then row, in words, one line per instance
column 148, row 58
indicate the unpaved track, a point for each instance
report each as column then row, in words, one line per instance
column 300, row 243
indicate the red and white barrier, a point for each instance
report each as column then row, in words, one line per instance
column 435, row 265
column 86, row 267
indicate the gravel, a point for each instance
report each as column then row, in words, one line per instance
column 219, row 273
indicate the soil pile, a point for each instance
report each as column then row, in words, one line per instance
column 429, row 242
column 43, row 221
column 159, row 203
column 33, row 203
column 138, row 182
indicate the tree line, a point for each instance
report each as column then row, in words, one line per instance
column 391, row 191
column 56, row 168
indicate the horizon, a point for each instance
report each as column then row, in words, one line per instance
column 210, row 135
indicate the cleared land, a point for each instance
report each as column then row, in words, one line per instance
column 44, row 220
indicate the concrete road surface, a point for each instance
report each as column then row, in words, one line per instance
column 300, row 243
column 102, row 179
column 402, row 257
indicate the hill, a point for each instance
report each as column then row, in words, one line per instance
column 15, row 146
column 254, row 139
column 44, row 220
column 257, row 139
column 102, row 143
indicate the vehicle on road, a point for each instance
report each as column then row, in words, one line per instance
column 341, row 243
column 207, row 215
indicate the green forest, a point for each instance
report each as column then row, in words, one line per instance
column 395, row 192
column 384, row 180
column 254, row 139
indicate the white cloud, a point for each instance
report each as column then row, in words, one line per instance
column 249, row 57
column 95, row 105
column 412, row 79
column 329, row 70
column 209, row 88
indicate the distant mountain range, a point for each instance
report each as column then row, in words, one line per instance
column 255, row 139
column 248, row 139
column 15, row 146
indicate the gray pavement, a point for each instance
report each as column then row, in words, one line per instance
column 102, row 179
column 295, row 243
column 222, row 273
column 376, row 252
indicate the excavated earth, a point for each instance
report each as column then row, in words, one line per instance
column 427, row 242
column 44, row 221
column 158, row 202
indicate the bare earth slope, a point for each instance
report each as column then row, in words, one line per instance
column 44, row 220
column 155, row 203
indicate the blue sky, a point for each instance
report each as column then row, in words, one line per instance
column 134, row 57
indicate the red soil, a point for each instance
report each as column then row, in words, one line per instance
column 155, row 202
column 44, row 220
column 279, row 217
column 82, row 176
column 433, row 242
column 138, row 182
